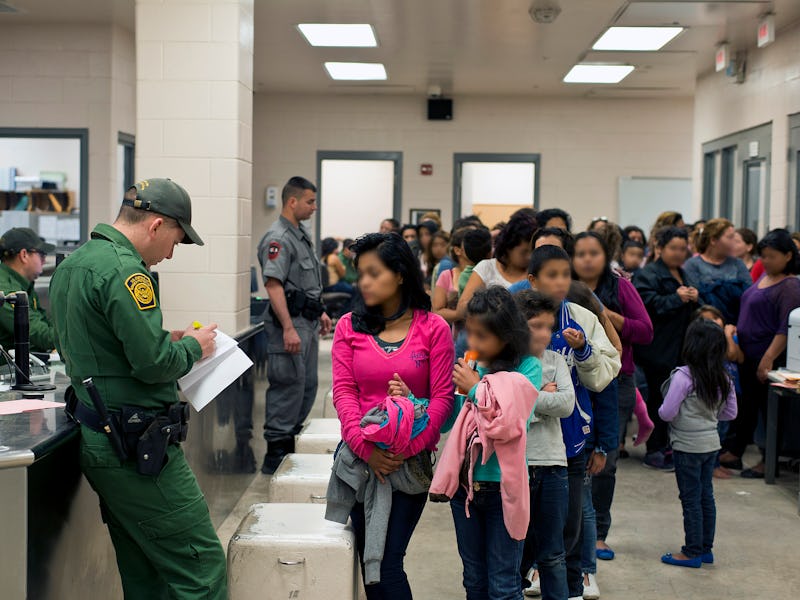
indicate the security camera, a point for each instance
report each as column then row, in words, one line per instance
column 544, row 11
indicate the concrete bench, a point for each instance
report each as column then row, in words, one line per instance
column 328, row 410
column 319, row 436
column 301, row 478
column 283, row 551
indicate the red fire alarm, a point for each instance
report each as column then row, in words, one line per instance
column 426, row 169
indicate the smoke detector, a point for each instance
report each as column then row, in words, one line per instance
column 544, row 12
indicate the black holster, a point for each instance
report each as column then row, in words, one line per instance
column 299, row 304
column 148, row 435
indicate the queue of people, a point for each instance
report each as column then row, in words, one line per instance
column 586, row 328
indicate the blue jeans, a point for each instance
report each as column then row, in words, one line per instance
column 694, row 472
column 573, row 529
column 589, row 543
column 491, row 558
column 406, row 511
column 545, row 542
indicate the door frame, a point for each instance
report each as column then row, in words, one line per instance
column 460, row 158
column 82, row 135
column 794, row 172
column 395, row 157
column 740, row 141
column 128, row 141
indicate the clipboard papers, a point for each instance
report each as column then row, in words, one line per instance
column 211, row 375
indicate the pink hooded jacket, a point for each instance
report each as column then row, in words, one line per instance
column 497, row 423
column 396, row 433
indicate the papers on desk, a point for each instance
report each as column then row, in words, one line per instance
column 211, row 375
column 15, row 407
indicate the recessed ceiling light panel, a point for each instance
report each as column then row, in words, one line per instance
column 354, row 71
column 352, row 35
column 636, row 39
column 588, row 73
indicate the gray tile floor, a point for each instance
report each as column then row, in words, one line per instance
column 757, row 549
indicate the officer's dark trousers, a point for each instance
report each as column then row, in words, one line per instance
column 292, row 380
column 165, row 543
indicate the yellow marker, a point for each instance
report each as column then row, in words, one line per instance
column 197, row 325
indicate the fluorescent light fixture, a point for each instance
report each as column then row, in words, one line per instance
column 636, row 39
column 354, row 71
column 587, row 73
column 339, row 35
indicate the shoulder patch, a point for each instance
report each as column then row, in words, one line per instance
column 141, row 288
column 274, row 250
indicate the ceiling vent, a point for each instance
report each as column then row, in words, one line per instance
column 544, row 11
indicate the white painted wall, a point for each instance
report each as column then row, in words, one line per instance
column 356, row 195
column 585, row 144
column 770, row 93
column 65, row 75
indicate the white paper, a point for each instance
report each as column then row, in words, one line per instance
column 211, row 375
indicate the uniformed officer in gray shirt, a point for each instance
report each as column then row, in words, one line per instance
column 295, row 320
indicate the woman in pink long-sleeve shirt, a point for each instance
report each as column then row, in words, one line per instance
column 391, row 331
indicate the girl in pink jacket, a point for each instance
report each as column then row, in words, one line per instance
column 491, row 507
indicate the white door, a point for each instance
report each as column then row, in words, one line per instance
column 495, row 190
column 355, row 196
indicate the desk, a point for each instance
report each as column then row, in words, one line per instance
column 776, row 393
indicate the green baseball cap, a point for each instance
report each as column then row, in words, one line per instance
column 165, row 197
column 23, row 238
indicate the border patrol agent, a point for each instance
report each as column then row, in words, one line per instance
column 295, row 319
column 109, row 327
column 23, row 252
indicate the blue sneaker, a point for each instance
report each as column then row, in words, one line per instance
column 707, row 558
column 693, row 563
column 659, row 461
column 604, row 553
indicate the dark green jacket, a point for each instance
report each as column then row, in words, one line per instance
column 108, row 324
column 42, row 334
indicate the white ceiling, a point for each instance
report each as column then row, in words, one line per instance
column 493, row 46
column 469, row 46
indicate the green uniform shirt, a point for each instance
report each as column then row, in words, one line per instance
column 108, row 324
column 41, row 330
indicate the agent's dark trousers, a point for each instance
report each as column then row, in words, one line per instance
column 292, row 380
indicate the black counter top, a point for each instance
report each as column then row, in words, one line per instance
column 29, row 436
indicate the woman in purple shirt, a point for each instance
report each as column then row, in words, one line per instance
column 762, row 328
column 625, row 309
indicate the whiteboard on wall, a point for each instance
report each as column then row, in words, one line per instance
column 642, row 199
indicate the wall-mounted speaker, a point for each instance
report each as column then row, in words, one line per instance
column 440, row 109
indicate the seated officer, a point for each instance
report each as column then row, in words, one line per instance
column 22, row 253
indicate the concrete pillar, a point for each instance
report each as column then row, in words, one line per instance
column 194, row 115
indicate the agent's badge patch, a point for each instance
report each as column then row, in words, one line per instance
column 141, row 288
column 274, row 250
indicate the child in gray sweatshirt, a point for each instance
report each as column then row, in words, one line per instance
column 546, row 453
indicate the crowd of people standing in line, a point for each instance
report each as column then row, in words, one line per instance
column 552, row 340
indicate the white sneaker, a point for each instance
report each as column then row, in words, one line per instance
column 535, row 588
column 590, row 589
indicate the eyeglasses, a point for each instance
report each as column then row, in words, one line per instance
column 39, row 252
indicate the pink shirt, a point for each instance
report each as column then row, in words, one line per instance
column 362, row 371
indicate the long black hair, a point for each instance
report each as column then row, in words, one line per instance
column 608, row 285
column 704, row 350
column 394, row 252
column 496, row 309
column 781, row 241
